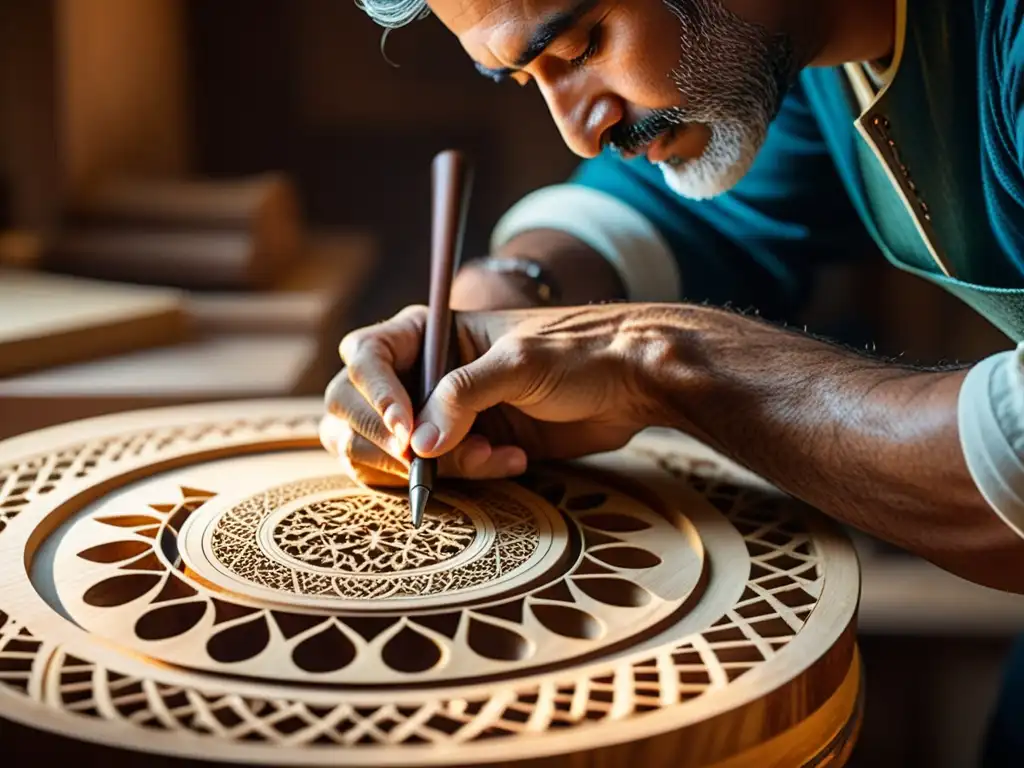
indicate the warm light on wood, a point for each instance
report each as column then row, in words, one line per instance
column 206, row 581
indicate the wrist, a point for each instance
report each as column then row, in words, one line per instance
column 666, row 347
column 529, row 276
column 576, row 273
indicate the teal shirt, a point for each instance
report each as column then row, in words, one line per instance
column 803, row 204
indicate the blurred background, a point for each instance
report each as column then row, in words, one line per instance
column 199, row 197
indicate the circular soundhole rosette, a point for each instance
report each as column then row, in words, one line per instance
column 207, row 579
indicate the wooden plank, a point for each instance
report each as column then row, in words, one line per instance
column 312, row 297
column 48, row 320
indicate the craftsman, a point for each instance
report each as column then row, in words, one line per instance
column 730, row 146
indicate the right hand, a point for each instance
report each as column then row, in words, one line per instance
column 552, row 383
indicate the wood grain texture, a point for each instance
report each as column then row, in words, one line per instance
column 227, row 593
column 233, row 365
column 117, row 118
column 48, row 320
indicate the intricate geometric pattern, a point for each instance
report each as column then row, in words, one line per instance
column 34, row 477
column 144, row 573
column 769, row 614
column 139, row 594
column 237, row 545
column 371, row 533
column 19, row 651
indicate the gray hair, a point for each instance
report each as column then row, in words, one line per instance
column 392, row 14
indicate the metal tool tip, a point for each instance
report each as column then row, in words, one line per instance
column 418, row 497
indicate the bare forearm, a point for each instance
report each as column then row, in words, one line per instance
column 868, row 442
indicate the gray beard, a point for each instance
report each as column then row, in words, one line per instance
column 733, row 75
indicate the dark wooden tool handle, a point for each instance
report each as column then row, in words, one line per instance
column 452, row 179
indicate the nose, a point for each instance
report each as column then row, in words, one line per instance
column 582, row 108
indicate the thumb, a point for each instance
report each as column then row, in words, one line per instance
column 451, row 409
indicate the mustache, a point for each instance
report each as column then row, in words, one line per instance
column 630, row 138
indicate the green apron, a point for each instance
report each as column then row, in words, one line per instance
column 914, row 172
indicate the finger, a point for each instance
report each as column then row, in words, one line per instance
column 495, row 377
column 358, row 457
column 345, row 403
column 364, row 455
column 404, row 332
column 371, row 371
column 330, row 430
column 373, row 478
column 475, row 459
column 375, row 355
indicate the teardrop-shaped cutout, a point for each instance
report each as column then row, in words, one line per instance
column 240, row 642
column 174, row 589
column 567, row 621
column 592, row 538
column 224, row 611
column 586, row 501
column 326, row 651
column 557, row 591
column 128, row 521
column 115, row 551
column 194, row 494
column 626, row 557
column 410, row 651
column 612, row 522
column 446, row 624
column 292, row 624
column 119, row 590
column 368, row 627
column 590, row 566
column 148, row 562
column 170, row 620
column 510, row 611
column 498, row 643
column 612, row 591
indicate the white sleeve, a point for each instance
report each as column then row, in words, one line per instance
column 624, row 236
column 991, row 422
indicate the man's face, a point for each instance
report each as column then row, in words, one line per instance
column 692, row 84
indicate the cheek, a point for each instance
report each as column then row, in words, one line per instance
column 643, row 50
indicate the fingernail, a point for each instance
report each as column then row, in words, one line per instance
column 425, row 438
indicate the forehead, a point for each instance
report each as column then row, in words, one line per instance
column 476, row 22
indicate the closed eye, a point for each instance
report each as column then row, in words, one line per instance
column 496, row 75
column 593, row 43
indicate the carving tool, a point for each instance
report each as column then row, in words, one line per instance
column 451, row 182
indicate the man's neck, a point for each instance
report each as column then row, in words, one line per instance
column 855, row 30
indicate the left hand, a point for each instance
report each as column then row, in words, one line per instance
column 477, row 288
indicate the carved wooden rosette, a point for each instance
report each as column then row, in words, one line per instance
column 205, row 582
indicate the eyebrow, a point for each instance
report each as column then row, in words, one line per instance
column 549, row 30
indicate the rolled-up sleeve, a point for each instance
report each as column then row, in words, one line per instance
column 622, row 235
column 991, row 422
